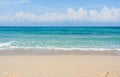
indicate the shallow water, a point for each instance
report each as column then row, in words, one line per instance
column 86, row 38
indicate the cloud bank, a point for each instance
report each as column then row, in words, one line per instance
column 81, row 15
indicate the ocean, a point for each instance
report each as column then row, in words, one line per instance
column 66, row 38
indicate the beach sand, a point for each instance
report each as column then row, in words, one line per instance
column 60, row 66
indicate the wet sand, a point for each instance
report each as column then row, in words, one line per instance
column 60, row 66
column 33, row 51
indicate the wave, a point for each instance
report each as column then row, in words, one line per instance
column 10, row 45
column 7, row 44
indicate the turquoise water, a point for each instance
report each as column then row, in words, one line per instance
column 60, row 37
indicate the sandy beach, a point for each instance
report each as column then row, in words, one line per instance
column 60, row 66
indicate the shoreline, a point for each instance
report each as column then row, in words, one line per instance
column 57, row 52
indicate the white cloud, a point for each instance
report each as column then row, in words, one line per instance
column 81, row 15
column 105, row 14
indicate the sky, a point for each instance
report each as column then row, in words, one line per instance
column 59, row 12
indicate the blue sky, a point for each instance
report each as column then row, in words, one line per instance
column 60, row 12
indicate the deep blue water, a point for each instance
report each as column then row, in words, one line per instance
column 60, row 37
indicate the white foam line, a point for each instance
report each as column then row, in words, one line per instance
column 6, row 44
column 56, row 48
